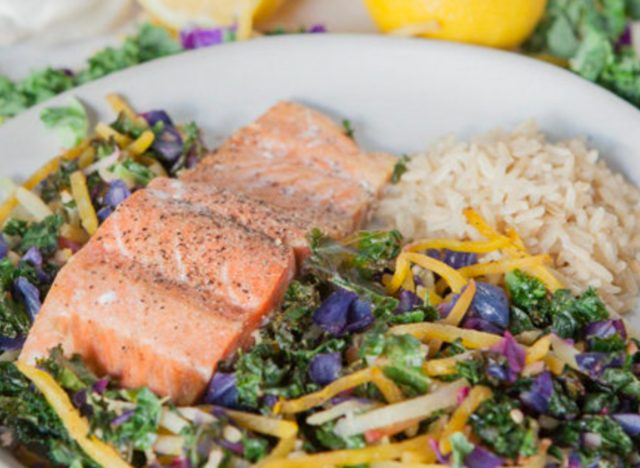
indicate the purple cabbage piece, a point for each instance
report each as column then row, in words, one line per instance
column 574, row 460
column 222, row 390
column 513, row 352
column 79, row 398
column 595, row 363
column 11, row 344
column 332, row 315
column 103, row 213
column 626, row 38
column 476, row 323
column 452, row 258
column 498, row 372
column 630, row 422
column 235, row 447
column 538, row 397
column 180, row 462
column 28, row 294
column 4, row 248
column 359, row 317
column 155, row 116
column 33, row 256
column 324, row 368
column 482, row 458
column 168, row 145
column 444, row 309
column 101, row 386
column 117, row 193
column 123, row 418
column 317, row 28
column 606, row 329
column 490, row 303
column 196, row 38
column 270, row 401
column 408, row 301
column 435, row 446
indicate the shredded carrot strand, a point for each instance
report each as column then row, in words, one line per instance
column 462, row 305
column 457, row 246
column 462, row 413
column 502, row 266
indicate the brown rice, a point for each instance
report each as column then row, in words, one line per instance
column 559, row 196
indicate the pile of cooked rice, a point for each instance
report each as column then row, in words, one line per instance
column 558, row 195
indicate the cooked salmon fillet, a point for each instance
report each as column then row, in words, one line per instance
column 185, row 270
column 135, row 326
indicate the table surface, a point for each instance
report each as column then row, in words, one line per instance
column 337, row 15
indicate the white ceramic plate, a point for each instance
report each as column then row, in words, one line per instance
column 400, row 95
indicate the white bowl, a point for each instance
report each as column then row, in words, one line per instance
column 400, row 95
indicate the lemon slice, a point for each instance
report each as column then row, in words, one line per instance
column 179, row 14
column 497, row 23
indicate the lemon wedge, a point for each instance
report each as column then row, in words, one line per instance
column 179, row 14
column 496, row 23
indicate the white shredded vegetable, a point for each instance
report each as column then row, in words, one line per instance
column 172, row 421
column 103, row 163
column 169, row 445
column 565, row 352
column 444, row 397
column 7, row 188
column 33, row 204
column 350, row 406
column 197, row 415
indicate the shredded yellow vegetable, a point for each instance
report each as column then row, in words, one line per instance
column 445, row 366
column 142, row 143
column 538, row 350
column 86, row 158
column 555, row 365
column 81, row 195
column 387, row 387
column 118, row 104
column 462, row 305
column 356, row 456
column 403, row 268
column 472, row 339
column 457, row 246
column 515, row 250
column 287, row 431
column 502, row 266
column 77, row 426
column 462, row 414
column 153, row 165
column 74, row 233
column 317, row 398
column 42, row 173
column 105, row 131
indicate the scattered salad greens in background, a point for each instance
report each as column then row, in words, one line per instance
column 150, row 42
column 596, row 38
column 593, row 38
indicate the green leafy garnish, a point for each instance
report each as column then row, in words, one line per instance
column 399, row 168
column 70, row 122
